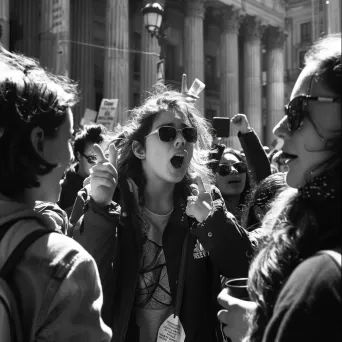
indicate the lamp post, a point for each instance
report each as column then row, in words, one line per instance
column 153, row 16
column 153, row 13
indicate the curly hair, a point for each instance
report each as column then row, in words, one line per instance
column 140, row 124
column 29, row 97
column 299, row 226
column 92, row 134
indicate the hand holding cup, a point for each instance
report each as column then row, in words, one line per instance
column 236, row 307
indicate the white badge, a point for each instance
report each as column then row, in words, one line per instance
column 171, row 330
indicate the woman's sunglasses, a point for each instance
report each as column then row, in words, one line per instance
column 225, row 169
column 169, row 133
column 90, row 159
column 297, row 109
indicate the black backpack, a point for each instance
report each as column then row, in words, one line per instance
column 10, row 324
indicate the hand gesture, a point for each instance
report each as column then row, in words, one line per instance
column 234, row 317
column 103, row 176
column 200, row 203
column 240, row 122
column 185, row 90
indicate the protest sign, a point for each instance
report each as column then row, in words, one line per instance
column 107, row 112
column 89, row 117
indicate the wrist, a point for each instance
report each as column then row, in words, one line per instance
column 245, row 130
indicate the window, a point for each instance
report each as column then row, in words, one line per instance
column 210, row 72
column 305, row 32
column 170, row 62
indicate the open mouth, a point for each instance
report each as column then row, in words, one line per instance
column 288, row 157
column 177, row 161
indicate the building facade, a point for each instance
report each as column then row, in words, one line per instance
column 237, row 47
column 305, row 22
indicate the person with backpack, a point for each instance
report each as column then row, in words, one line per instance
column 295, row 279
column 50, row 288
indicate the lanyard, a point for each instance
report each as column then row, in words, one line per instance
column 181, row 277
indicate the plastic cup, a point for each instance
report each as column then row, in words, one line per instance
column 237, row 287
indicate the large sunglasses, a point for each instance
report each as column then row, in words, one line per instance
column 297, row 109
column 90, row 159
column 225, row 169
column 169, row 133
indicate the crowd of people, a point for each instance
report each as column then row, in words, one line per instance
column 131, row 235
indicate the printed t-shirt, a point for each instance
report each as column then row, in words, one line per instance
column 153, row 295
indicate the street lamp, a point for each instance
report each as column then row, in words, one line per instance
column 153, row 16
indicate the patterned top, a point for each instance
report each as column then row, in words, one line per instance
column 153, row 295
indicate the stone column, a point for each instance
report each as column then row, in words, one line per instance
column 193, row 45
column 116, row 63
column 4, row 23
column 252, row 85
column 148, row 62
column 47, row 38
column 82, row 65
column 275, row 39
column 28, row 26
column 55, row 36
column 61, row 27
column 229, row 68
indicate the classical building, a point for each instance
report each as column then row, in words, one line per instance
column 237, row 47
column 306, row 21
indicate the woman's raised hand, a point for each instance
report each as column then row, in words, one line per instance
column 200, row 203
column 104, row 176
column 240, row 123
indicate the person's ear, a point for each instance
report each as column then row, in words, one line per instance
column 138, row 149
column 78, row 156
column 37, row 140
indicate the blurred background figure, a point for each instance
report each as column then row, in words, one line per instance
column 232, row 179
column 85, row 158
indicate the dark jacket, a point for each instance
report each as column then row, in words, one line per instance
column 113, row 236
column 71, row 185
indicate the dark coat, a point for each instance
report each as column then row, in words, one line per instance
column 113, row 236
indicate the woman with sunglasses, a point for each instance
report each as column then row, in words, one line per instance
column 295, row 279
column 232, row 180
column 161, row 249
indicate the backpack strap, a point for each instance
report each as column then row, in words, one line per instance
column 20, row 249
column 7, row 298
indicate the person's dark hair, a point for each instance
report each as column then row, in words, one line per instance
column 92, row 134
column 248, row 185
column 262, row 196
column 300, row 225
column 29, row 97
column 162, row 99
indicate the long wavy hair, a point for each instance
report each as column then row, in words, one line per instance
column 300, row 227
column 140, row 123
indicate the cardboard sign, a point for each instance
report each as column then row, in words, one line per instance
column 89, row 117
column 107, row 113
